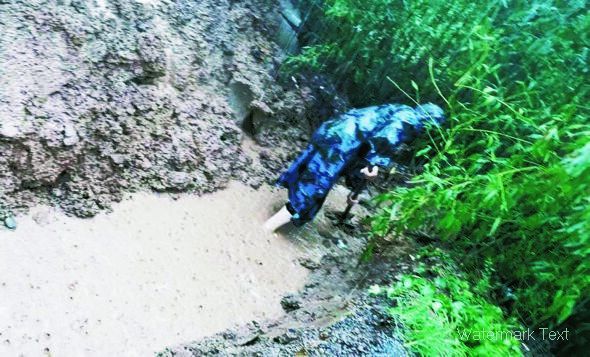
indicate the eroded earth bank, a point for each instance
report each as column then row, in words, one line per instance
column 103, row 98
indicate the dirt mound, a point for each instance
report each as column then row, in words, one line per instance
column 97, row 97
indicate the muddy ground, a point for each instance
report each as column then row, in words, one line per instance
column 333, row 314
column 99, row 98
column 171, row 268
column 166, row 269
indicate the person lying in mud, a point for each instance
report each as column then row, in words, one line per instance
column 354, row 145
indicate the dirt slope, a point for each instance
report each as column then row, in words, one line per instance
column 101, row 96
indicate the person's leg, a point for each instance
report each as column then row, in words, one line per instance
column 279, row 219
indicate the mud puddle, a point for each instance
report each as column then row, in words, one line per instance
column 155, row 272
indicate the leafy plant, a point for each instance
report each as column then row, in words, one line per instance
column 443, row 315
column 506, row 180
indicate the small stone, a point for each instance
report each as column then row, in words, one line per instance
column 70, row 140
column 341, row 244
column 179, row 179
column 118, row 158
column 70, row 135
column 228, row 335
column 309, row 263
column 287, row 337
column 9, row 130
column 264, row 155
column 145, row 164
column 10, row 222
column 249, row 340
column 290, row 303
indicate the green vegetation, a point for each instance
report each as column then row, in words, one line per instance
column 506, row 181
column 445, row 316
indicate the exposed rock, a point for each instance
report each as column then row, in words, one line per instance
column 287, row 337
column 179, row 180
column 366, row 331
column 309, row 263
column 10, row 222
column 70, row 135
column 117, row 158
column 9, row 130
column 290, row 303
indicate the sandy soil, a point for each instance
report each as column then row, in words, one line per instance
column 153, row 273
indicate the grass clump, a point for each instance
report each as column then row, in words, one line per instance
column 443, row 314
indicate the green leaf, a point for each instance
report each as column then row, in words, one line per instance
column 495, row 226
